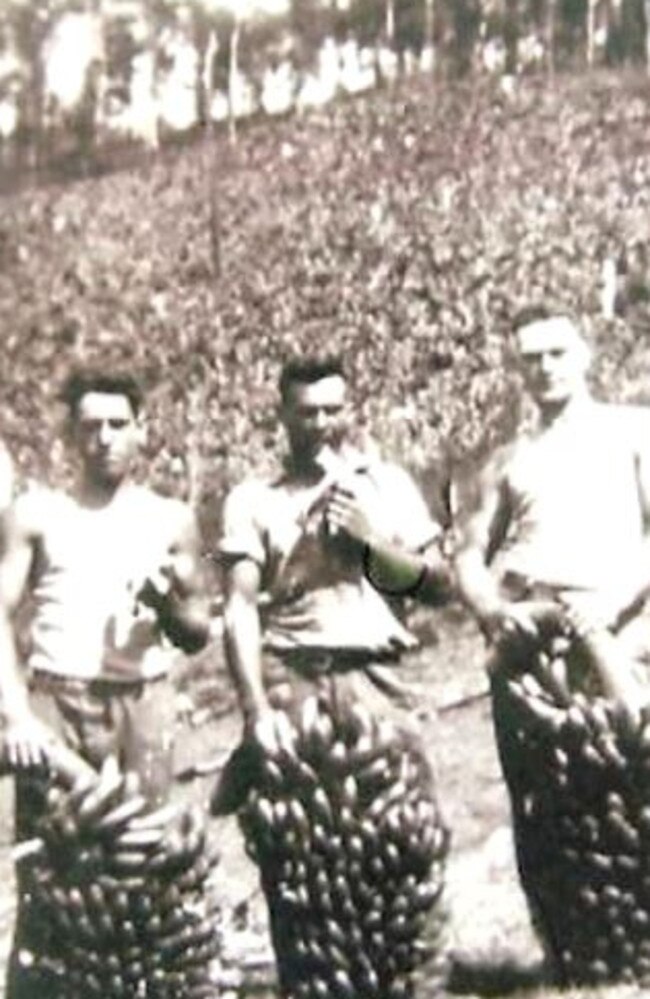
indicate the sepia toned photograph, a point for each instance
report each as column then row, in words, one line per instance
column 324, row 499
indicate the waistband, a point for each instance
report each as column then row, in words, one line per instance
column 42, row 680
column 320, row 661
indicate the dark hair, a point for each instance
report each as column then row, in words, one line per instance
column 306, row 370
column 84, row 380
column 538, row 313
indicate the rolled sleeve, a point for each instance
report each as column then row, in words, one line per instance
column 413, row 525
column 242, row 535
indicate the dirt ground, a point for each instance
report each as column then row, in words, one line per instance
column 489, row 933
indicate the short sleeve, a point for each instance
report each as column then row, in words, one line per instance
column 412, row 523
column 242, row 534
column 634, row 425
column 7, row 479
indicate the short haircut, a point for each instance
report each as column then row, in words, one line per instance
column 306, row 370
column 539, row 313
column 81, row 381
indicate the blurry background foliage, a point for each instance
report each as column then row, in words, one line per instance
column 402, row 226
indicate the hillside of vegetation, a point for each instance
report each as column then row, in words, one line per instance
column 403, row 228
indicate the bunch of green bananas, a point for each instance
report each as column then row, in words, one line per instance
column 119, row 890
column 343, row 823
column 579, row 780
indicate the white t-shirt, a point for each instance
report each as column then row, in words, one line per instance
column 576, row 518
column 89, row 567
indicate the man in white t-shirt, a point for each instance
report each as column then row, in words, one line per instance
column 553, row 561
column 563, row 511
column 112, row 570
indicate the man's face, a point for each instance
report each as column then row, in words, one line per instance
column 107, row 435
column 315, row 416
column 554, row 360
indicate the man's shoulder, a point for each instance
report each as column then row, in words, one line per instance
column 630, row 413
column 254, row 490
column 161, row 508
column 39, row 505
column 389, row 474
column 628, row 422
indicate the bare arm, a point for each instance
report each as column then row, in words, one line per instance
column 486, row 514
column 243, row 641
column 24, row 735
column 395, row 571
column 403, row 556
column 484, row 510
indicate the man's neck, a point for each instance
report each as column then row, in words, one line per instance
column 552, row 414
column 304, row 468
column 97, row 494
column 311, row 467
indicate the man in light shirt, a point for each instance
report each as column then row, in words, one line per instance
column 563, row 511
column 318, row 540
column 112, row 571
column 322, row 542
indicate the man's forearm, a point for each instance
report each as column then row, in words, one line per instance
column 393, row 570
column 477, row 586
column 243, row 643
column 13, row 689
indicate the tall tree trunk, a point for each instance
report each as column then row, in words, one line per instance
column 591, row 31
column 210, row 148
column 551, row 12
column 646, row 12
column 511, row 35
column 196, row 418
column 31, row 33
column 202, row 77
column 389, row 23
column 233, row 76
column 429, row 46
column 37, row 117
column 150, row 133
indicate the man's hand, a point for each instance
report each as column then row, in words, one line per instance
column 517, row 619
column 589, row 611
column 26, row 741
column 175, row 576
column 272, row 731
column 354, row 507
column 174, row 592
